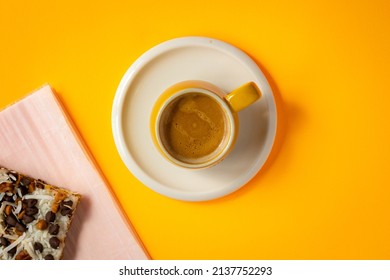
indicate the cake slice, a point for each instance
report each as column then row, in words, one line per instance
column 34, row 217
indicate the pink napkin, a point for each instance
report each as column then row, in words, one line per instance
column 38, row 140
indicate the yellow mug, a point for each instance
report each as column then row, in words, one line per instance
column 194, row 124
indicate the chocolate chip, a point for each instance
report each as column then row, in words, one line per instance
column 43, row 182
column 54, row 242
column 66, row 211
column 39, row 185
column 50, row 217
column 49, row 257
column 25, row 181
column 31, row 210
column 31, row 202
column 23, row 189
column 54, row 229
column 8, row 198
column 12, row 251
column 67, row 203
column 65, row 208
column 20, row 227
column 4, row 242
column 13, row 176
column 38, row 247
column 11, row 220
column 27, row 219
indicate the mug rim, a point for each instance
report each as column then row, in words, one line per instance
column 228, row 113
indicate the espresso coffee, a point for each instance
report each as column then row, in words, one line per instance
column 193, row 127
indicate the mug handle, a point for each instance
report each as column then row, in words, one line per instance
column 243, row 96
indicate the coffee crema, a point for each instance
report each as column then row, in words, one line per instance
column 193, row 127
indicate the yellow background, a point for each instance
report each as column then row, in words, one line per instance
column 324, row 192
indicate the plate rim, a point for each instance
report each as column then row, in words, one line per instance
column 121, row 93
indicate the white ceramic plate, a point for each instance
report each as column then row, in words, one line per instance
column 191, row 58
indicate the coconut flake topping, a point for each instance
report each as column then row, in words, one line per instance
column 38, row 196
